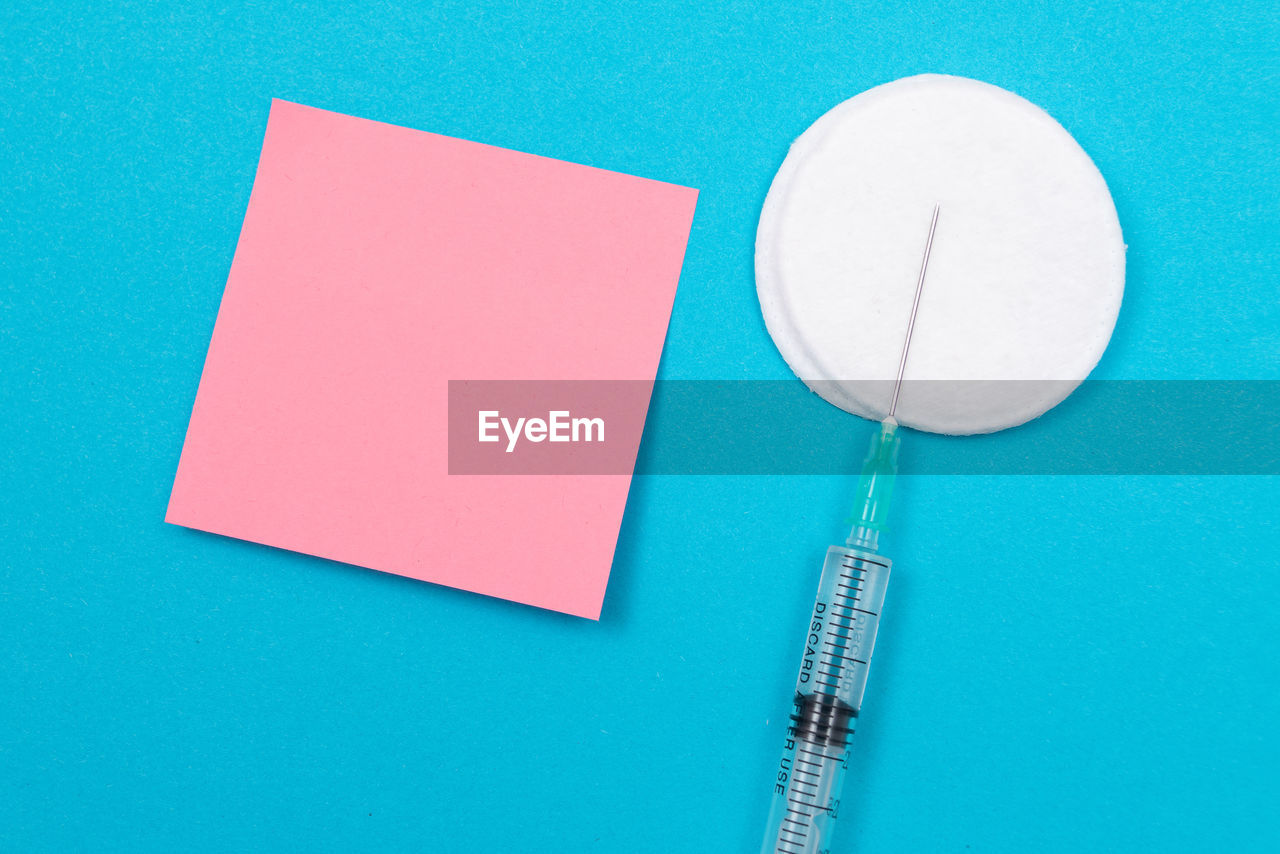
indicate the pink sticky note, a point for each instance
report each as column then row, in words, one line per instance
column 376, row 264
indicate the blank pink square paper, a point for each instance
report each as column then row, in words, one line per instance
column 375, row 264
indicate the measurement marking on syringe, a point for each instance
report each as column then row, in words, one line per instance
column 812, row 753
column 797, row 794
column 865, row 560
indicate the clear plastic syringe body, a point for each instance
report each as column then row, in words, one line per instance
column 838, row 644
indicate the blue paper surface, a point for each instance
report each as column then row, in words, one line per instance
column 1065, row 664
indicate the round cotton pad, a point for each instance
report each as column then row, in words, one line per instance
column 1024, row 280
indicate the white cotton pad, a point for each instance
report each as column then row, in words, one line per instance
column 1024, row 279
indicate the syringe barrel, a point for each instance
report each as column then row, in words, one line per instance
column 828, row 696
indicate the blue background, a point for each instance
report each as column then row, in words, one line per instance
column 1067, row 663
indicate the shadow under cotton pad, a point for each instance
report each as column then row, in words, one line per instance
column 1025, row 277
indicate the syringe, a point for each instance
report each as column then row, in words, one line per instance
column 838, row 646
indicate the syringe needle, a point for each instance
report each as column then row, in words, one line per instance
column 880, row 468
column 915, row 306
